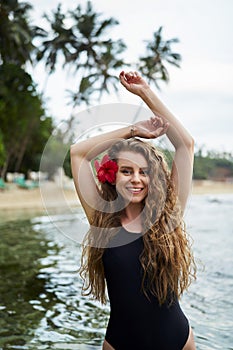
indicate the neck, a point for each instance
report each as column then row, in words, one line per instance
column 131, row 219
column 133, row 211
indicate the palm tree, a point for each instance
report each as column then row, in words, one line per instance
column 59, row 45
column 16, row 33
column 96, row 55
column 159, row 52
column 107, row 64
column 152, row 66
column 88, row 35
column 86, row 47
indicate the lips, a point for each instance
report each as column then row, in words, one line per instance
column 135, row 190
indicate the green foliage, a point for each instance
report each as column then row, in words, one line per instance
column 158, row 52
column 36, row 145
column 16, row 32
column 2, row 150
column 83, row 44
column 202, row 167
column 67, row 165
column 21, row 115
column 54, row 154
column 79, row 39
column 206, row 167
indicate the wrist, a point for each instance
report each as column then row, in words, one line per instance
column 146, row 92
column 133, row 130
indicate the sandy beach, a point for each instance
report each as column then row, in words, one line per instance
column 211, row 187
column 50, row 195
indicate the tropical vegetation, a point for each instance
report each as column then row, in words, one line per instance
column 79, row 40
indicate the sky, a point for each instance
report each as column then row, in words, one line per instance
column 200, row 94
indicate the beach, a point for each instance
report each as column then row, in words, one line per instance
column 51, row 195
column 17, row 203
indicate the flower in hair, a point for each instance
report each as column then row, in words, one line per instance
column 106, row 170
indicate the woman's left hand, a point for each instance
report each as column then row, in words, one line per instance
column 133, row 82
column 151, row 128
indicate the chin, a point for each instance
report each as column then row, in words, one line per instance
column 137, row 200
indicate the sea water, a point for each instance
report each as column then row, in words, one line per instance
column 41, row 306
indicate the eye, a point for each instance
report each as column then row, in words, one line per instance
column 144, row 172
column 126, row 171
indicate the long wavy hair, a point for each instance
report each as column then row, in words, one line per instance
column 167, row 260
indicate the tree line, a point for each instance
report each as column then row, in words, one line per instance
column 80, row 40
column 213, row 165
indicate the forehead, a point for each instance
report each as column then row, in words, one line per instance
column 129, row 158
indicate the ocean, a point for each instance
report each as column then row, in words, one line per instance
column 41, row 306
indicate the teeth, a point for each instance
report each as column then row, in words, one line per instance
column 135, row 189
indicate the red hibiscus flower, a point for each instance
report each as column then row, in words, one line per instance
column 106, row 170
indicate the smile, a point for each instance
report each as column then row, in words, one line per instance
column 134, row 189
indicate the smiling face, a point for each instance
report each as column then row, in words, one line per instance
column 132, row 178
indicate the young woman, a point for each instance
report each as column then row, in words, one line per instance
column 137, row 244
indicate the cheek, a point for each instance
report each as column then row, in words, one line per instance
column 120, row 178
column 120, row 182
column 147, row 181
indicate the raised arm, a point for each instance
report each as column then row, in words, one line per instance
column 81, row 155
column 83, row 152
column 182, row 167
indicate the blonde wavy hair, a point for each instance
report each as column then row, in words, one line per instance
column 167, row 260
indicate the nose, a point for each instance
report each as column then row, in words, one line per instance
column 135, row 177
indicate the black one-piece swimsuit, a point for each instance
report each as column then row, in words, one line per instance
column 135, row 322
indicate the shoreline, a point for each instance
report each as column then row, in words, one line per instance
column 211, row 187
column 51, row 197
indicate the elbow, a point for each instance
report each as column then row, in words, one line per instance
column 73, row 150
column 190, row 147
column 192, row 143
column 187, row 144
column 76, row 152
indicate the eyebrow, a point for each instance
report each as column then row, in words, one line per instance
column 130, row 167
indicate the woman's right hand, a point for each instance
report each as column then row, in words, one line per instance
column 151, row 128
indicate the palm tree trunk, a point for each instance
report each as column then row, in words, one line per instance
column 5, row 167
column 21, row 153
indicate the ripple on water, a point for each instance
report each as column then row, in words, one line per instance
column 42, row 306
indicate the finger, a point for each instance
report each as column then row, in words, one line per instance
column 155, row 119
column 123, row 81
column 129, row 74
column 152, row 119
column 160, row 120
column 166, row 127
column 156, row 122
column 122, row 78
column 159, row 131
column 122, row 75
column 163, row 129
column 128, row 77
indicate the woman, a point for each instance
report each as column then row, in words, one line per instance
column 137, row 244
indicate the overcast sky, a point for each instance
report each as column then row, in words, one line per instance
column 200, row 93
